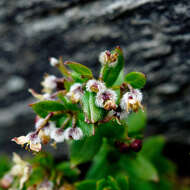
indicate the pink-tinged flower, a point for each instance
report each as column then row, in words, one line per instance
column 132, row 100
column 32, row 140
column 6, row 181
column 57, row 134
column 73, row 133
column 95, row 86
column 106, row 99
column 45, row 185
column 109, row 58
column 53, row 61
column 49, row 83
column 75, row 93
column 20, row 169
column 41, row 97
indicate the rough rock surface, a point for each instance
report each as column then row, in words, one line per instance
column 154, row 35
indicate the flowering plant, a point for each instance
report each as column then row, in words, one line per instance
column 102, row 120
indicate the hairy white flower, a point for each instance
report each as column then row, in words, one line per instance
column 103, row 58
column 53, row 61
column 20, row 169
column 108, row 57
column 95, row 86
column 106, row 99
column 57, row 134
column 39, row 121
column 47, row 96
column 45, row 185
column 75, row 93
column 73, row 133
column 49, row 83
column 6, row 181
column 32, row 140
column 131, row 100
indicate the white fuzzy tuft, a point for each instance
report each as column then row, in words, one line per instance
column 73, row 133
column 53, row 61
column 96, row 84
column 49, row 82
column 100, row 97
column 57, row 134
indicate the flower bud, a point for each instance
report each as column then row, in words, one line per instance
column 73, row 133
column 106, row 99
column 53, row 61
column 95, row 86
column 136, row 145
column 75, row 93
column 57, row 134
column 132, row 100
column 123, row 147
column 49, row 83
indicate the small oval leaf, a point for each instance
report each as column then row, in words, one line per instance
column 79, row 68
column 44, row 107
column 136, row 79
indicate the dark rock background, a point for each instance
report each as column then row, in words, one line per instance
column 154, row 35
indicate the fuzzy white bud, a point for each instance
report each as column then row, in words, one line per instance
column 49, row 82
column 53, row 61
column 73, row 133
column 95, row 86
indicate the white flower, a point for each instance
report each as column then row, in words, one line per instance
column 49, row 83
column 103, row 58
column 32, row 140
column 41, row 97
column 95, row 86
column 57, row 134
column 47, row 96
column 39, row 121
column 132, row 100
column 53, row 61
column 108, row 57
column 106, row 99
column 75, row 93
column 45, row 185
column 45, row 132
column 73, row 133
column 6, row 181
column 20, row 169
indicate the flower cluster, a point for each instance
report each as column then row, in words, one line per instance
column 45, row 131
column 67, row 102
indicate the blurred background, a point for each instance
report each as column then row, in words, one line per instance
column 154, row 36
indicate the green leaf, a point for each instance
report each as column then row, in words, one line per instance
column 79, row 68
column 120, row 78
column 67, row 103
column 139, row 167
column 111, row 129
column 110, row 74
column 4, row 165
column 91, row 111
column 136, row 122
column 136, row 79
column 86, row 185
column 37, row 175
column 100, row 167
column 44, row 160
column 87, row 129
column 68, row 171
column 85, row 149
column 123, row 182
column 42, row 108
column 152, row 147
column 107, row 184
